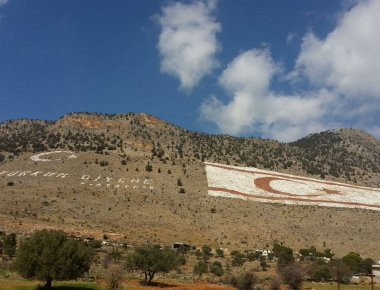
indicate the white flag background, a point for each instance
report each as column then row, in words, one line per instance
column 268, row 186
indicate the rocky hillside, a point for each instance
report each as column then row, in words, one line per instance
column 136, row 178
column 347, row 155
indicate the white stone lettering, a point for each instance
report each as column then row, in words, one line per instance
column 13, row 173
column 86, row 179
column 62, row 175
column 36, row 173
column 49, row 174
column 147, row 181
column 24, row 173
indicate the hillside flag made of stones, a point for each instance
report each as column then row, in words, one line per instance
column 268, row 186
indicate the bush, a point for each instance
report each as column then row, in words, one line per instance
column 8, row 244
column 198, row 253
column 200, row 268
column 220, row 253
column 148, row 168
column 284, row 255
column 206, row 252
column 366, row 265
column 206, row 249
column 96, row 244
column 2, row 157
column 50, row 255
column 182, row 260
column 321, row 273
column 245, row 281
column 217, row 269
column 103, row 163
column 263, row 264
column 253, row 256
column 238, row 259
column 356, row 264
column 284, row 259
column 275, row 284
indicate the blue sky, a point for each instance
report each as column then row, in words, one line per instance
column 277, row 69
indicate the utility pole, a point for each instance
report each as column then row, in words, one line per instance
column 371, row 275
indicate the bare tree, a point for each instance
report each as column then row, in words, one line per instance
column 340, row 272
column 114, row 276
column 293, row 275
column 275, row 283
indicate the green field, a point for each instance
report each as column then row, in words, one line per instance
column 7, row 284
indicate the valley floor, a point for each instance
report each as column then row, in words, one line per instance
column 7, row 284
column 10, row 284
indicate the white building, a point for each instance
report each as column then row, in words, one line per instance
column 376, row 272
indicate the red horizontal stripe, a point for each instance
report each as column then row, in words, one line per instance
column 275, row 198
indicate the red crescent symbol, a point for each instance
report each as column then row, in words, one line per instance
column 264, row 184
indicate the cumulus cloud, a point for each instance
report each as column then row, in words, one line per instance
column 253, row 106
column 347, row 59
column 343, row 69
column 187, row 42
column 2, row 2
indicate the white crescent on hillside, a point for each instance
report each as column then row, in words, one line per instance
column 38, row 158
column 268, row 186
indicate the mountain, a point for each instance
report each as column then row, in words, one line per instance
column 136, row 177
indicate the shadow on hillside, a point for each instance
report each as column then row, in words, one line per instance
column 62, row 287
column 73, row 288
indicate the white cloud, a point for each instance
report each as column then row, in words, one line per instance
column 343, row 68
column 348, row 59
column 290, row 37
column 2, row 2
column 187, row 42
column 254, row 107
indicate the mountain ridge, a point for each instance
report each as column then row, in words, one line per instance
column 174, row 204
column 343, row 166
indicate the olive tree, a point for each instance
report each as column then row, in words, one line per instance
column 151, row 259
column 50, row 255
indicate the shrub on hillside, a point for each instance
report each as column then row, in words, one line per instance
column 8, row 245
column 245, row 281
column 200, row 268
column 217, row 269
column 220, row 252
